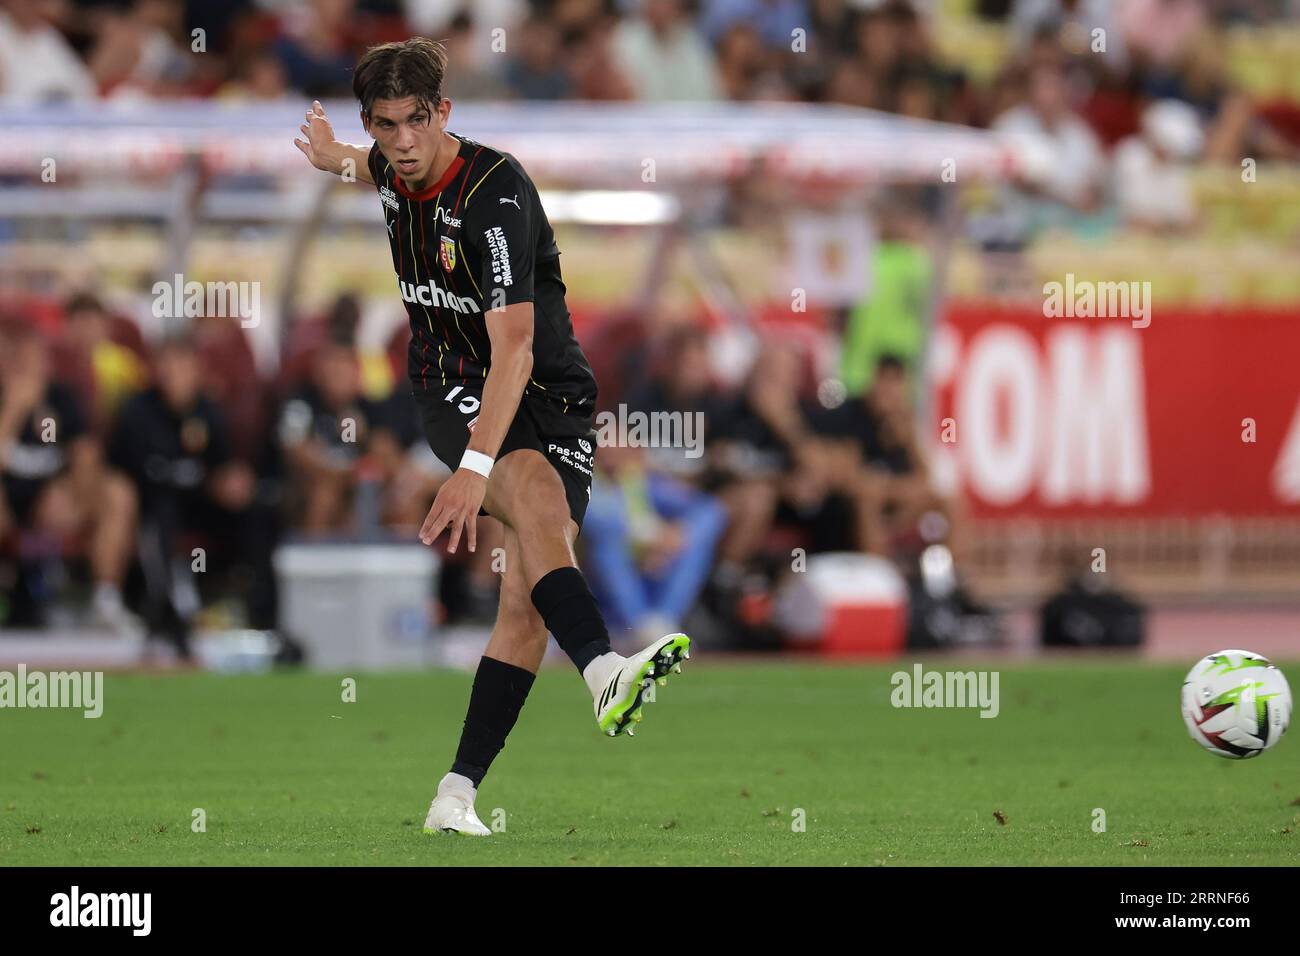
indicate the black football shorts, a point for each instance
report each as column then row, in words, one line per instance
column 450, row 412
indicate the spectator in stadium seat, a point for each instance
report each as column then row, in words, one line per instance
column 55, row 482
column 742, row 61
column 877, row 37
column 314, row 48
column 649, row 541
column 173, row 441
column 536, row 71
column 478, row 74
column 1064, row 177
column 138, row 51
column 663, row 55
column 411, row 473
column 256, row 74
column 756, row 440
column 851, row 84
column 1200, row 78
column 36, row 63
column 113, row 371
column 915, row 92
column 325, row 430
column 1073, row 25
column 886, row 473
column 1152, row 182
column 480, row 20
column 774, row 20
column 679, row 383
column 593, row 64
column 1160, row 31
column 832, row 24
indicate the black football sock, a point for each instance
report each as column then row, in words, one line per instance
column 499, row 692
column 570, row 612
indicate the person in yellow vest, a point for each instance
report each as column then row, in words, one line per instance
column 116, row 371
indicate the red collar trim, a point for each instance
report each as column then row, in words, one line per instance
column 437, row 187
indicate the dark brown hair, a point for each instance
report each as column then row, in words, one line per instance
column 391, row 71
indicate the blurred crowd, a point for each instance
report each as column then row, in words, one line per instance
column 160, row 475
column 786, row 469
column 1117, row 95
column 147, row 485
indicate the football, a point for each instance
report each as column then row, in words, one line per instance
column 1236, row 703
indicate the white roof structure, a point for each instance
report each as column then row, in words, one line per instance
column 594, row 144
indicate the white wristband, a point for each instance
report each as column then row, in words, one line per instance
column 476, row 462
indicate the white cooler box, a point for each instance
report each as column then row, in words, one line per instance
column 362, row 606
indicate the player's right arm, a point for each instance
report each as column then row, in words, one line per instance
column 326, row 152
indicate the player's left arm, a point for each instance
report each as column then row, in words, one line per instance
column 501, row 226
column 510, row 330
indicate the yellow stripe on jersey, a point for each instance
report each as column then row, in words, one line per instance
column 485, row 176
column 473, row 354
column 456, row 316
column 416, row 266
column 460, row 255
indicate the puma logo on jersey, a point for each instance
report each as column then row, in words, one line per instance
column 515, row 202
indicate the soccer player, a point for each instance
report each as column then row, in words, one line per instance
column 506, row 395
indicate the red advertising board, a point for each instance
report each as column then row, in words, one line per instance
column 1197, row 413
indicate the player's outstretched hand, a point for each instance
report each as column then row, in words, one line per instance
column 319, row 137
column 456, row 507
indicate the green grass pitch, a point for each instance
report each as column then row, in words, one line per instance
column 727, row 763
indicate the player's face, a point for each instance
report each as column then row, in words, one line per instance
column 408, row 135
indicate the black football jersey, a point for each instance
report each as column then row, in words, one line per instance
column 475, row 240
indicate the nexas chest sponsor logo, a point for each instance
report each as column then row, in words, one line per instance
column 430, row 294
column 443, row 216
column 388, row 198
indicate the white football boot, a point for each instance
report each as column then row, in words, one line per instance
column 619, row 685
column 452, row 810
